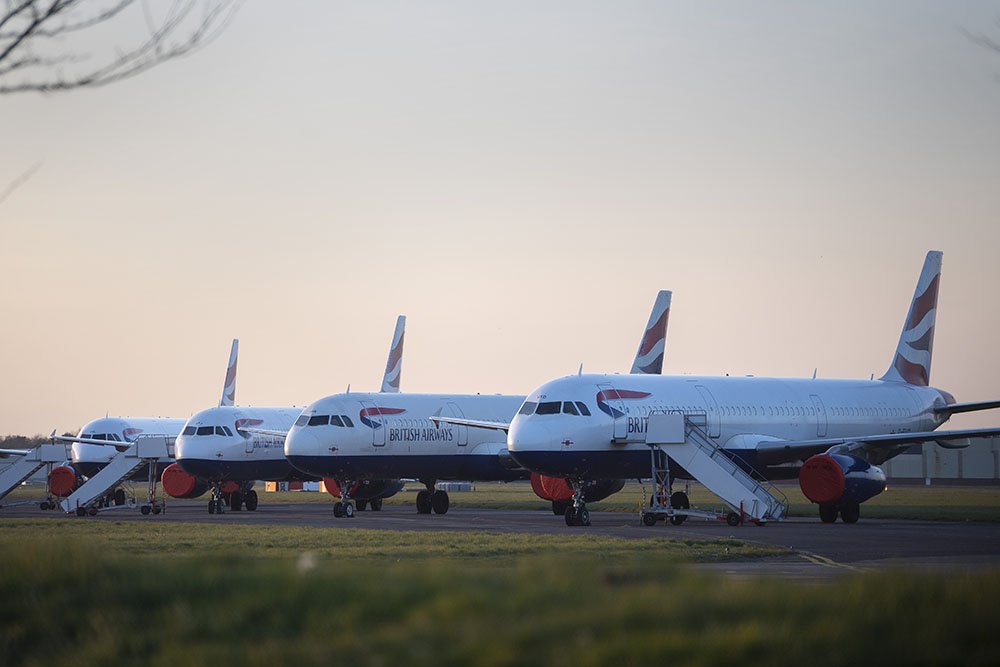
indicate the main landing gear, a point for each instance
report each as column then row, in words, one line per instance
column 576, row 514
column 241, row 498
column 849, row 512
column 431, row 499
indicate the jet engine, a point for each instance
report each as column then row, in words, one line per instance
column 63, row 481
column 180, row 484
column 840, row 479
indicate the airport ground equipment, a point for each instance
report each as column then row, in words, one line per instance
column 680, row 437
column 143, row 451
column 27, row 465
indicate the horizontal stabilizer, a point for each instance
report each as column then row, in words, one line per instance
column 774, row 452
column 956, row 408
column 474, row 423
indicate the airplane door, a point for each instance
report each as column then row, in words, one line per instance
column 370, row 414
column 463, row 431
column 714, row 421
column 611, row 403
column 821, row 421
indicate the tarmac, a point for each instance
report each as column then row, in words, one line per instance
column 815, row 550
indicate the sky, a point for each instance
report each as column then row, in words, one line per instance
column 519, row 179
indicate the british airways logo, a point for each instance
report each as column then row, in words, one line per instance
column 240, row 424
column 130, row 433
column 366, row 416
column 615, row 395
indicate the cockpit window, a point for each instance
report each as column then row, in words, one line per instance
column 220, row 431
column 206, row 430
column 347, row 421
column 528, row 408
column 582, row 407
column 336, row 421
column 570, row 409
column 188, row 430
column 319, row 420
column 302, row 420
column 548, row 408
column 228, row 432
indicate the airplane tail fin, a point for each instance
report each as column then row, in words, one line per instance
column 394, row 365
column 229, row 388
column 912, row 362
column 649, row 357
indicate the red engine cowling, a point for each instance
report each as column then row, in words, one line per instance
column 180, row 484
column 63, row 481
column 559, row 489
column 367, row 489
column 835, row 479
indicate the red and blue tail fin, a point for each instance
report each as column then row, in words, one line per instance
column 394, row 365
column 912, row 362
column 649, row 357
column 229, row 388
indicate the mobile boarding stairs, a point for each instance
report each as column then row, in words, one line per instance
column 145, row 450
column 680, row 437
column 27, row 465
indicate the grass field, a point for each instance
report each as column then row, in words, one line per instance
column 938, row 503
column 101, row 593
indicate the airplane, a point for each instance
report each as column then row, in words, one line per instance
column 101, row 439
column 832, row 433
column 227, row 448
column 397, row 436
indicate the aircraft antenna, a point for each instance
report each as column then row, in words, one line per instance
column 348, row 389
column 814, row 372
column 580, row 372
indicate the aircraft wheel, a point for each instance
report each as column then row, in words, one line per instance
column 119, row 497
column 144, row 510
column 440, row 502
column 250, row 500
column 570, row 516
column 376, row 504
column 679, row 500
column 677, row 520
column 361, row 505
column 583, row 518
column 424, row 502
column 348, row 510
column 338, row 509
column 81, row 511
column 220, row 505
column 733, row 519
column 236, row 501
column 44, row 505
column 558, row 508
column 157, row 509
column 211, row 506
column 850, row 513
column 649, row 519
column 827, row 513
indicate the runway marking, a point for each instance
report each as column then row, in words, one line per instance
column 823, row 561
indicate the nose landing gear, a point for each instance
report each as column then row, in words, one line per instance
column 576, row 514
column 344, row 508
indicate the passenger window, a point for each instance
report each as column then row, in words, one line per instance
column 302, row 420
column 347, row 421
column 582, row 407
column 206, row 430
column 219, row 431
column 188, row 430
column 570, row 409
column 319, row 420
column 548, row 408
column 528, row 408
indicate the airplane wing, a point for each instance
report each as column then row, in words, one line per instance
column 956, row 408
column 120, row 446
column 785, row 451
column 473, row 423
column 13, row 452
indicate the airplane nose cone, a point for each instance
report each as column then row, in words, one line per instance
column 300, row 442
column 528, row 436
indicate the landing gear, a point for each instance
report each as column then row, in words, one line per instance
column 828, row 513
column 576, row 513
column 119, row 497
column 423, row 502
column 440, row 502
column 217, row 505
column 679, row 501
column 375, row 504
column 236, row 501
column 344, row 508
column 559, row 507
column 850, row 512
column 250, row 500
column 361, row 505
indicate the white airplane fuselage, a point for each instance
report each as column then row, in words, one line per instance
column 89, row 459
column 383, row 436
column 213, row 447
column 739, row 413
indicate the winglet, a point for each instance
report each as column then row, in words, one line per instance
column 649, row 357
column 912, row 361
column 229, row 388
column 394, row 364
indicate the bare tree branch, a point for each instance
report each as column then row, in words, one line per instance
column 19, row 181
column 33, row 36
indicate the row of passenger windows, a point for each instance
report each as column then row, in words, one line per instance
column 577, row 408
column 102, row 436
column 782, row 411
column 324, row 420
column 207, row 430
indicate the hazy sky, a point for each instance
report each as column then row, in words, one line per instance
column 519, row 179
